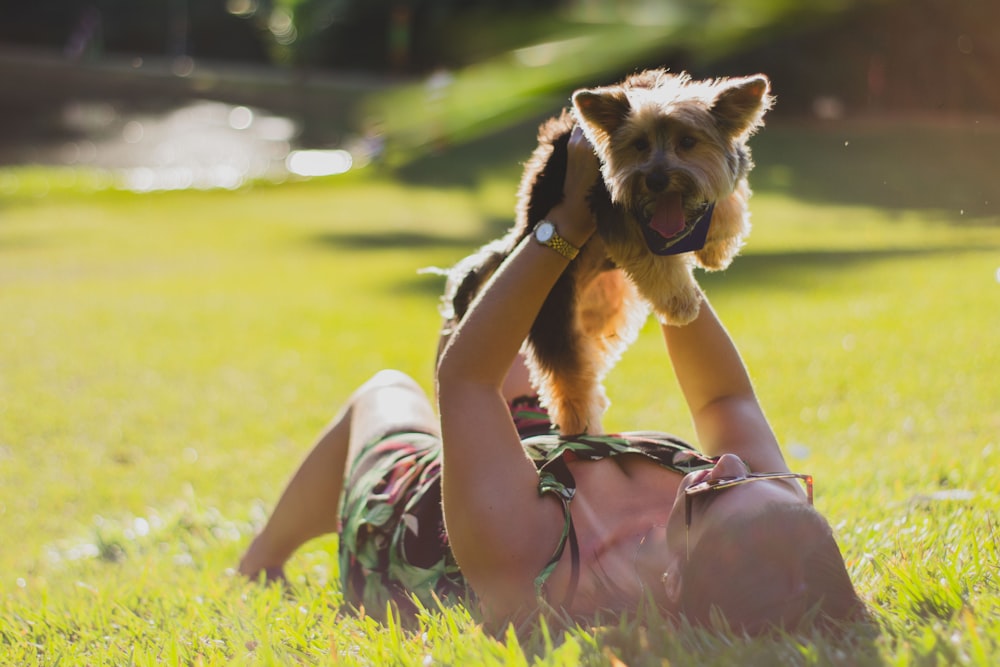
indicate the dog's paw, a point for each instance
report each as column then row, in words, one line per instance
column 680, row 308
column 716, row 256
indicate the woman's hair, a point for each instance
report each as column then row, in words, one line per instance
column 780, row 568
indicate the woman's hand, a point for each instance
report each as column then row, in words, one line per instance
column 582, row 168
column 573, row 217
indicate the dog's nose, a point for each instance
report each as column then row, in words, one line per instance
column 657, row 181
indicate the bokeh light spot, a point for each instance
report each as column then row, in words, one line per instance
column 240, row 118
column 318, row 162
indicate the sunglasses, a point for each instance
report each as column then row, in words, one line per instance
column 722, row 483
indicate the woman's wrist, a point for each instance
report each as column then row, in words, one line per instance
column 574, row 222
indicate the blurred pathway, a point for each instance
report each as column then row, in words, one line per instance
column 178, row 124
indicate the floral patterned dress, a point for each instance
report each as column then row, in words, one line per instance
column 393, row 543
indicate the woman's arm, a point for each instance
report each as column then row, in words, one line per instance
column 502, row 532
column 727, row 416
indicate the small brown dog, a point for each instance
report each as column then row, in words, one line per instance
column 673, row 195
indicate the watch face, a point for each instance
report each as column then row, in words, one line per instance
column 544, row 231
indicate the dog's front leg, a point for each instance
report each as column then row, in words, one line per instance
column 667, row 283
column 729, row 228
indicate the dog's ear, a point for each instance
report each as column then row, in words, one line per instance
column 741, row 103
column 601, row 111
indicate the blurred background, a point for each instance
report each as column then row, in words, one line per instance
column 166, row 357
column 170, row 94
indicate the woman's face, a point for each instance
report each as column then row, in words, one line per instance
column 665, row 551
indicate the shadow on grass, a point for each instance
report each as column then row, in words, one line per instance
column 893, row 165
column 388, row 240
column 805, row 268
column 789, row 270
column 929, row 166
column 464, row 164
column 430, row 284
column 423, row 285
column 383, row 240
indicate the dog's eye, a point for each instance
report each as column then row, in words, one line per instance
column 687, row 142
column 641, row 144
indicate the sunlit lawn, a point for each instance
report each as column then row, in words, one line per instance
column 166, row 359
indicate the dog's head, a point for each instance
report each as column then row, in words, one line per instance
column 670, row 147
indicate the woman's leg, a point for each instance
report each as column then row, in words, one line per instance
column 389, row 402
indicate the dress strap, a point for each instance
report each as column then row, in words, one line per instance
column 558, row 480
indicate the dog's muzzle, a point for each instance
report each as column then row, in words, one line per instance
column 688, row 237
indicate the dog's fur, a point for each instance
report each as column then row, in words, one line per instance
column 665, row 143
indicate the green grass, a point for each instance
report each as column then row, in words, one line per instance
column 166, row 360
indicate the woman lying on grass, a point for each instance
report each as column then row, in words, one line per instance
column 579, row 523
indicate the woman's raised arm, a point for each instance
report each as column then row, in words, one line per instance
column 501, row 531
column 720, row 396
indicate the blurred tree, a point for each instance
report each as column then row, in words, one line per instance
column 412, row 35
column 829, row 57
column 365, row 35
column 197, row 28
column 900, row 55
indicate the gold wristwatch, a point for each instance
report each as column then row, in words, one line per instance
column 546, row 234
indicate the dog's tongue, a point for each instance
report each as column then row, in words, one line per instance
column 668, row 218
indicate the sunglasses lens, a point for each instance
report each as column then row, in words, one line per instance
column 715, row 484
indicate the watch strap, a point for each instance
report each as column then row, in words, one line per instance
column 561, row 245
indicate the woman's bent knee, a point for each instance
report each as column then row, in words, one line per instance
column 390, row 402
column 390, row 378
